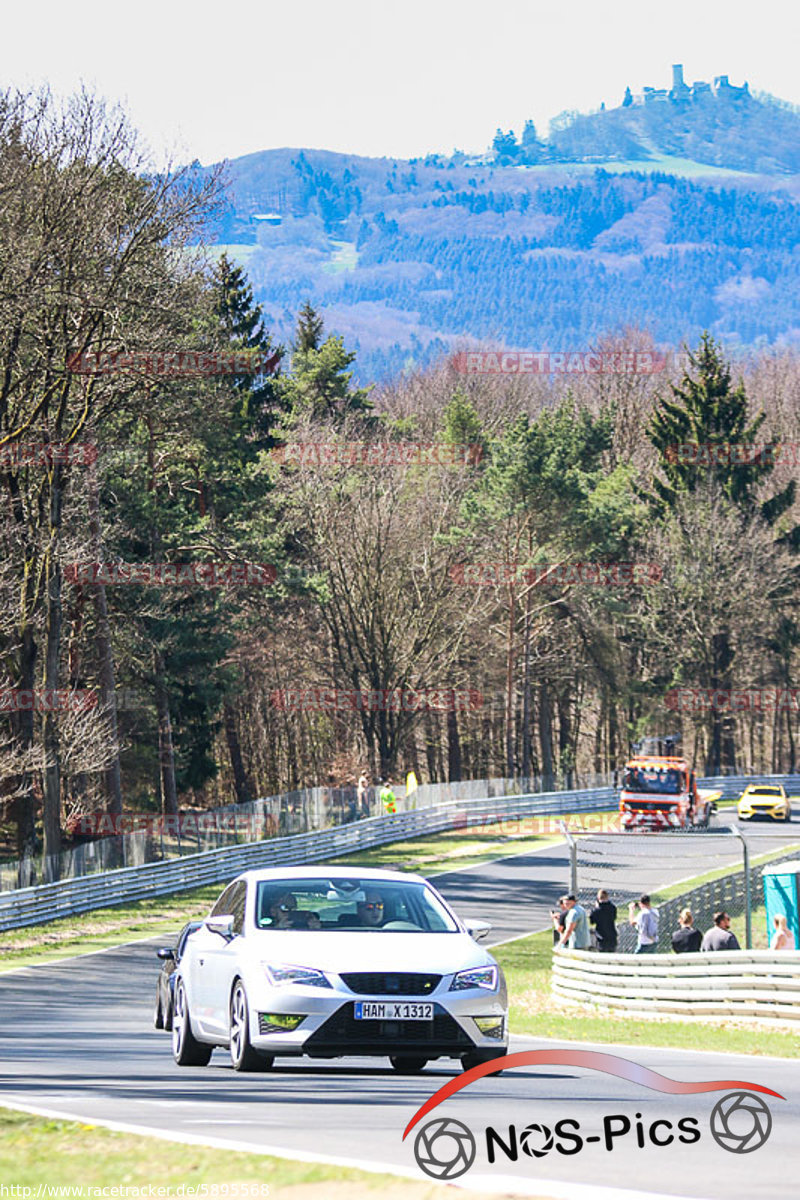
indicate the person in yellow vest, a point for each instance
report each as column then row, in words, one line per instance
column 388, row 797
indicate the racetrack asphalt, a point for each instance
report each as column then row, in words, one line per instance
column 77, row 1040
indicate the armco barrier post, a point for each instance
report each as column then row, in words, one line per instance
column 573, row 858
column 748, row 917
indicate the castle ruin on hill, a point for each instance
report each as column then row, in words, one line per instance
column 684, row 93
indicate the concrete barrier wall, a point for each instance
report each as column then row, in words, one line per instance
column 732, row 983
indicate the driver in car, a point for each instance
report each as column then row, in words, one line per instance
column 370, row 910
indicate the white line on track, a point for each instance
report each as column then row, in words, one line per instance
column 501, row 1184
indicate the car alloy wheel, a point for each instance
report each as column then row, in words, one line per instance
column 243, row 1056
column 186, row 1049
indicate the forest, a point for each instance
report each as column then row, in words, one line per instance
column 464, row 576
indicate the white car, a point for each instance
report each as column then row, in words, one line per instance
column 327, row 961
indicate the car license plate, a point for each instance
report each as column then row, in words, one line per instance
column 369, row 1010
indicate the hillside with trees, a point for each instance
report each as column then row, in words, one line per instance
column 685, row 215
column 221, row 596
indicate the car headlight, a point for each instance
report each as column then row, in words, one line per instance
column 282, row 975
column 476, row 977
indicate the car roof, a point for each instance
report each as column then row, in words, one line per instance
column 315, row 871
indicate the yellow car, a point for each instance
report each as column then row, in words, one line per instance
column 764, row 800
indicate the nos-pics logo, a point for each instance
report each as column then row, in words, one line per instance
column 445, row 1148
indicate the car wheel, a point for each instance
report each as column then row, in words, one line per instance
column 243, row 1056
column 407, row 1064
column 168, row 1015
column 158, row 1014
column 186, row 1049
column 478, row 1057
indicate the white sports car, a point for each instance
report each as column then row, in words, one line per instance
column 327, row 962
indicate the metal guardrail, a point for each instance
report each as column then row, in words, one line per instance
column 67, row 897
column 49, row 901
column 154, row 839
column 743, row 983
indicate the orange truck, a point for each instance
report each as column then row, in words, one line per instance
column 659, row 790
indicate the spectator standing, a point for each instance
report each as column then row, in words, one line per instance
column 362, row 794
column 686, row 939
column 782, row 938
column 720, row 937
column 646, row 925
column 603, row 916
column 559, row 916
column 388, row 798
column 576, row 934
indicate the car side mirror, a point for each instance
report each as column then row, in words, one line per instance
column 478, row 930
column 223, row 925
column 165, row 952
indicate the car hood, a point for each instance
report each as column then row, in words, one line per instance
column 357, row 950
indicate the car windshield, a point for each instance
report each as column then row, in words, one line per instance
column 765, row 791
column 347, row 904
column 660, row 780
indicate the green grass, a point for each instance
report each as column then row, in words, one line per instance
column 686, row 885
column 104, row 927
column 535, row 1011
column 343, row 258
column 454, row 850
column 35, row 1150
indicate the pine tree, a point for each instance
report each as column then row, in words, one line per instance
column 320, row 383
column 706, row 439
column 241, row 327
column 704, row 432
column 531, row 146
column 310, row 325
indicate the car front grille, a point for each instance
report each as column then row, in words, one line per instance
column 390, row 983
column 343, row 1034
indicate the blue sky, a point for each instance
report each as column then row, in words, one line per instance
column 374, row 77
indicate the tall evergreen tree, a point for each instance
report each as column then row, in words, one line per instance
column 703, row 433
column 320, row 385
column 310, row 325
column 706, row 438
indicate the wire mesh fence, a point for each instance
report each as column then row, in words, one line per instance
column 627, row 865
column 135, row 839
